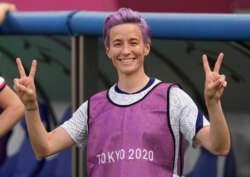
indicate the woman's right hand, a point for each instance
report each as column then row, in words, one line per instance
column 25, row 86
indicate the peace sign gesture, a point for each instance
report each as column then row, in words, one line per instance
column 25, row 86
column 214, row 82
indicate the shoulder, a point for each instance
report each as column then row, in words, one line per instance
column 179, row 98
column 177, row 91
column 98, row 97
column 2, row 83
column 99, row 94
column 1, row 80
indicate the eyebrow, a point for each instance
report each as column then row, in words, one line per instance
column 119, row 40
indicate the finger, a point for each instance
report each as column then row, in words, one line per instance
column 20, row 68
column 15, row 86
column 220, row 82
column 33, row 69
column 224, row 84
column 218, row 63
column 205, row 64
column 21, row 88
column 223, row 80
column 216, row 85
column 12, row 8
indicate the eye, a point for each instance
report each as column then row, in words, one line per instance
column 134, row 42
column 117, row 44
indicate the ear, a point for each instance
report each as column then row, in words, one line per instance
column 107, row 52
column 147, row 49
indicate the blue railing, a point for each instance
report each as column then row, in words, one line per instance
column 182, row 26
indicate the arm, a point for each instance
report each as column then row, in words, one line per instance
column 13, row 110
column 216, row 137
column 5, row 8
column 43, row 143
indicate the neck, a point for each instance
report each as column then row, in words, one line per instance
column 131, row 84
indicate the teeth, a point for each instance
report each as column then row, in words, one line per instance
column 126, row 60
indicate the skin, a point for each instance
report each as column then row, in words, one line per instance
column 127, row 51
column 4, row 9
column 216, row 137
column 44, row 143
column 13, row 110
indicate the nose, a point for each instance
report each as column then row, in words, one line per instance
column 126, row 49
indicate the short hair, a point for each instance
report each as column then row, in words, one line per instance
column 126, row 15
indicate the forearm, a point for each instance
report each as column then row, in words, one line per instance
column 219, row 131
column 37, row 132
column 9, row 117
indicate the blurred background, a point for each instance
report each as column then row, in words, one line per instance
column 170, row 60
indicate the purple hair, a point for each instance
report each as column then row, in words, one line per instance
column 126, row 15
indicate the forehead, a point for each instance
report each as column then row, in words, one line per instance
column 126, row 30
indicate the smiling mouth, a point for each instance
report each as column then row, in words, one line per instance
column 127, row 60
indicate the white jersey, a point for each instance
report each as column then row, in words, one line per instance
column 183, row 114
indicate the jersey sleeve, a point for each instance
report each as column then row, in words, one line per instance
column 184, row 113
column 77, row 125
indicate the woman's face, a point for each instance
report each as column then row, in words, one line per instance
column 127, row 49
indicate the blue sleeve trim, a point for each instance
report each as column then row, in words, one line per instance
column 199, row 122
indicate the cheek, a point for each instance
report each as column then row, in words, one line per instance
column 112, row 58
column 114, row 63
column 113, row 54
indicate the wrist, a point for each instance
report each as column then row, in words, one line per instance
column 31, row 107
column 213, row 103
